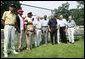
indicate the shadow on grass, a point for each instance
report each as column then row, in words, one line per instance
column 76, row 39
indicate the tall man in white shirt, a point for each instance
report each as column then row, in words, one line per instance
column 44, row 24
column 37, row 26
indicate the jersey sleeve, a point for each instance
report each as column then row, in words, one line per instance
column 4, row 16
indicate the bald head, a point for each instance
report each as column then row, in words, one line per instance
column 70, row 17
column 37, row 17
column 45, row 17
column 61, row 16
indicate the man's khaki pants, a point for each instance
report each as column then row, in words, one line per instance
column 71, row 35
column 9, row 33
column 21, row 39
column 29, row 40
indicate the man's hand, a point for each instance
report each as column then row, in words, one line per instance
column 30, row 23
column 3, row 23
column 49, row 30
column 65, row 30
column 75, row 28
column 27, row 32
column 34, row 31
column 19, row 31
column 58, row 25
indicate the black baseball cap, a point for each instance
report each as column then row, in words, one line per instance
column 12, row 5
column 30, row 13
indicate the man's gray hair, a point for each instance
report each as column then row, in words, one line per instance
column 70, row 17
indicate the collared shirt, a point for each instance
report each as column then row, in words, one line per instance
column 44, row 22
column 29, row 27
column 21, row 23
column 52, row 23
column 63, row 22
column 37, row 24
column 58, row 21
column 9, row 17
column 71, row 23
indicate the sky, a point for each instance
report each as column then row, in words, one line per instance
column 44, row 4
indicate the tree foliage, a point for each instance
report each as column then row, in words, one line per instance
column 5, row 7
column 81, row 4
column 77, row 14
column 63, row 10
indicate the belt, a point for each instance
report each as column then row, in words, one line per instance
column 70, row 27
column 38, row 28
column 10, row 24
column 44, row 26
column 30, row 30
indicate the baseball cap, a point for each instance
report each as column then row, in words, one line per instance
column 12, row 5
column 20, row 10
column 30, row 13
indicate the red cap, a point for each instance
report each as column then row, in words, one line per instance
column 20, row 10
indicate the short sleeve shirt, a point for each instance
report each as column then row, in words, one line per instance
column 29, row 27
column 44, row 22
column 71, row 23
column 37, row 24
column 9, row 17
column 52, row 23
column 63, row 22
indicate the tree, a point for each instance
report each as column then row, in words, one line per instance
column 77, row 14
column 5, row 7
column 81, row 4
column 63, row 10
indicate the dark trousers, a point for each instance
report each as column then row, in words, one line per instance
column 63, row 35
column 53, row 35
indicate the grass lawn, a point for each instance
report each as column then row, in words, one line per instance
column 61, row 50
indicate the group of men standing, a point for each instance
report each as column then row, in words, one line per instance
column 33, row 28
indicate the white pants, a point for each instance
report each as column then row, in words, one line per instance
column 58, row 36
column 9, row 33
column 71, row 35
column 38, row 37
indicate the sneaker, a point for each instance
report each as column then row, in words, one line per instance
column 18, row 50
column 15, row 52
column 29, row 49
column 58, row 42
column 6, row 55
column 72, row 43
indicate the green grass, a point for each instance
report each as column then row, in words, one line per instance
column 61, row 50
